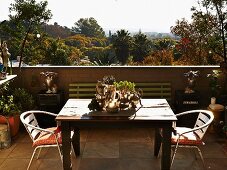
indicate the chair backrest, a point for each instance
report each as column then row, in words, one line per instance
column 203, row 121
column 30, row 123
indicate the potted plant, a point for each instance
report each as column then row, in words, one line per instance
column 112, row 96
column 214, row 83
column 125, row 86
column 218, row 84
column 11, row 111
column 13, row 101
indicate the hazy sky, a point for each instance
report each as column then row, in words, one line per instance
column 147, row 15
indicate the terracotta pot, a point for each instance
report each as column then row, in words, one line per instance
column 14, row 123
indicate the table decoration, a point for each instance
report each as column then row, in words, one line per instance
column 112, row 96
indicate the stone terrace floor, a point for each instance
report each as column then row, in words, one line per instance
column 114, row 149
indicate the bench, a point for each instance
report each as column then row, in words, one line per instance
column 155, row 90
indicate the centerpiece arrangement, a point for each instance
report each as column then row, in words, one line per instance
column 112, row 96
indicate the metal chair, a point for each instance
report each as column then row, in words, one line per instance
column 192, row 137
column 41, row 138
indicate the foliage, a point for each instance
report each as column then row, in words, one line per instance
column 199, row 42
column 75, row 55
column 122, row 43
column 141, row 47
column 27, row 15
column 7, row 106
column 163, row 44
column 202, row 40
column 125, row 86
column 106, row 58
column 197, row 45
column 110, row 79
column 219, row 7
column 13, row 38
column 88, row 27
column 15, row 100
column 214, row 84
column 57, row 53
column 81, row 41
column 162, row 57
column 23, row 99
column 57, row 31
column 78, row 41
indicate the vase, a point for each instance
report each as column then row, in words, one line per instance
column 14, row 124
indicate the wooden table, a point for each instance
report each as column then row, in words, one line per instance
column 154, row 113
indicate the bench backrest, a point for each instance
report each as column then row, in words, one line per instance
column 82, row 90
column 156, row 90
column 150, row 90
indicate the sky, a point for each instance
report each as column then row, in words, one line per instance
column 133, row 15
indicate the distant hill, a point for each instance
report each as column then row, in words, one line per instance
column 57, row 31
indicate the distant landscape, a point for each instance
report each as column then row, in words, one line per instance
column 201, row 41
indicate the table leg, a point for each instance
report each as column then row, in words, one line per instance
column 166, row 149
column 76, row 141
column 157, row 142
column 66, row 145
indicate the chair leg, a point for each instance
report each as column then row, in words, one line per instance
column 73, row 151
column 174, row 154
column 33, row 154
column 60, row 152
column 201, row 156
column 38, row 153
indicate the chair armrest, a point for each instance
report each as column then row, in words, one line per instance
column 186, row 112
column 191, row 112
column 196, row 128
column 40, row 129
column 44, row 112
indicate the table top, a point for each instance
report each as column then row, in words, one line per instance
column 8, row 78
column 151, row 109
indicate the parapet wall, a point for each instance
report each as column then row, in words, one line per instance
column 29, row 77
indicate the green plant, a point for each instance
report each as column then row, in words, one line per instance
column 109, row 80
column 15, row 100
column 23, row 99
column 214, row 84
column 7, row 106
column 125, row 86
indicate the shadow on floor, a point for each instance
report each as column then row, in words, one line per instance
column 114, row 149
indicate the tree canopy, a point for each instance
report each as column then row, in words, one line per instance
column 28, row 15
column 122, row 41
column 200, row 42
column 218, row 8
column 88, row 27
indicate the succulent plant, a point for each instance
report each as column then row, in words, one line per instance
column 109, row 80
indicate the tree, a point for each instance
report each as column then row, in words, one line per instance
column 28, row 16
column 219, row 7
column 57, row 53
column 8, row 34
column 122, row 42
column 163, row 44
column 88, row 27
column 141, row 47
column 197, row 43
